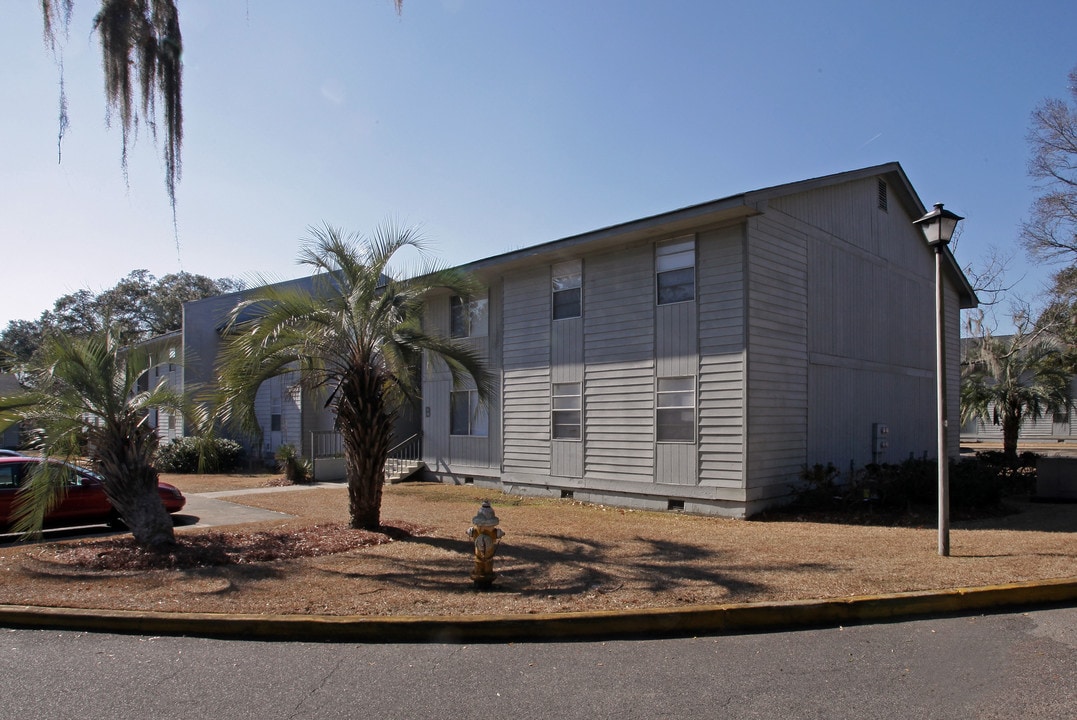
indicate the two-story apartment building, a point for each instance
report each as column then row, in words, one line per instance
column 700, row 358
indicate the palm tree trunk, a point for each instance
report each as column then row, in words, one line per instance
column 131, row 487
column 367, row 432
column 1011, row 428
column 149, row 522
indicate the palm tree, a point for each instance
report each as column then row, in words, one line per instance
column 83, row 399
column 357, row 337
column 1012, row 379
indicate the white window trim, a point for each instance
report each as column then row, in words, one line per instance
column 694, row 407
column 578, row 409
column 670, row 256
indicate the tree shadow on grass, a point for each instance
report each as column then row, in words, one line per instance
column 551, row 566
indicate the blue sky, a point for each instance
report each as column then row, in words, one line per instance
column 498, row 124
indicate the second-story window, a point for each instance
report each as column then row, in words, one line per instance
column 567, row 287
column 675, row 270
column 468, row 317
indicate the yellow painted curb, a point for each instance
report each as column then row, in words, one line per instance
column 680, row 621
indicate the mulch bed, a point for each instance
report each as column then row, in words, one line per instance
column 227, row 548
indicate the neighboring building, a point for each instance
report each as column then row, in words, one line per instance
column 699, row 359
column 286, row 412
column 165, row 365
column 1052, row 428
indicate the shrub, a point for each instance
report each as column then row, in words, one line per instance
column 296, row 469
column 191, row 455
column 818, row 488
column 979, row 483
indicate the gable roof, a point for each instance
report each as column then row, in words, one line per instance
column 728, row 209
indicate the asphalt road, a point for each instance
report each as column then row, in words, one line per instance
column 994, row 666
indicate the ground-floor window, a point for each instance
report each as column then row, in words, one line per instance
column 467, row 416
column 566, row 416
column 675, row 409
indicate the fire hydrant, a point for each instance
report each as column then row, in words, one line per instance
column 486, row 535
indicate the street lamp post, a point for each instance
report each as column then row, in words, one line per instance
column 938, row 227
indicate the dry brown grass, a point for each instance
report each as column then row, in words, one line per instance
column 557, row 556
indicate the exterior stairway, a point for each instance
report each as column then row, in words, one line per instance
column 399, row 470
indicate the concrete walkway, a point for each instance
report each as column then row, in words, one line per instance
column 208, row 509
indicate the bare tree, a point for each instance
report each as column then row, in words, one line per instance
column 1051, row 230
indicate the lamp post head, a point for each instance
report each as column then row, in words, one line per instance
column 938, row 226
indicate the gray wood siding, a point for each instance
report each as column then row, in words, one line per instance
column 527, row 420
column 867, row 307
column 435, row 320
column 722, row 353
column 620, row 422
column 566, row 350
column 871, row 336
column 527, row 372
column 676, row 463
column 619, row 370
column 847, row 398
column 676, row 339
column 566, row 358
column 850, row 212
column 677, row 355
column 777, row 388
column 436, row 423
column 953, row 379
column 619, row 307
column 566, row 458
column 871, row 330
column 470, row 451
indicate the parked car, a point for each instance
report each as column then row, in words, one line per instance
column 4, row 452
column 84, row 503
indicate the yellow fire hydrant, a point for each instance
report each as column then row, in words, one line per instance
column 486, row 535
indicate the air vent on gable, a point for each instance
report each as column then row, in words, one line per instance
column 882, row 195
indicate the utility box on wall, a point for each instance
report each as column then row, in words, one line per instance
column 880, row 442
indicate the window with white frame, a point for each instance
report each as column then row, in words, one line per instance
column 468, row 317
column 567, row 286
column 675, row 270
column 566, row 416
column 467, row 416
column 675, row 409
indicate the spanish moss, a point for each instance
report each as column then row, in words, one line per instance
column 141, row 46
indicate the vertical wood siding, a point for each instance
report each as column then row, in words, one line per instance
column 676, row 335
column 470, row 451
column 871, row 329
column 566, row 359
column 721, row 348
column 811, row 322
column 527, row 372
column 619, row 368
column 777, row 406
column 436, row 423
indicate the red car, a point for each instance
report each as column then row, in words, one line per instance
column 85, row 502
